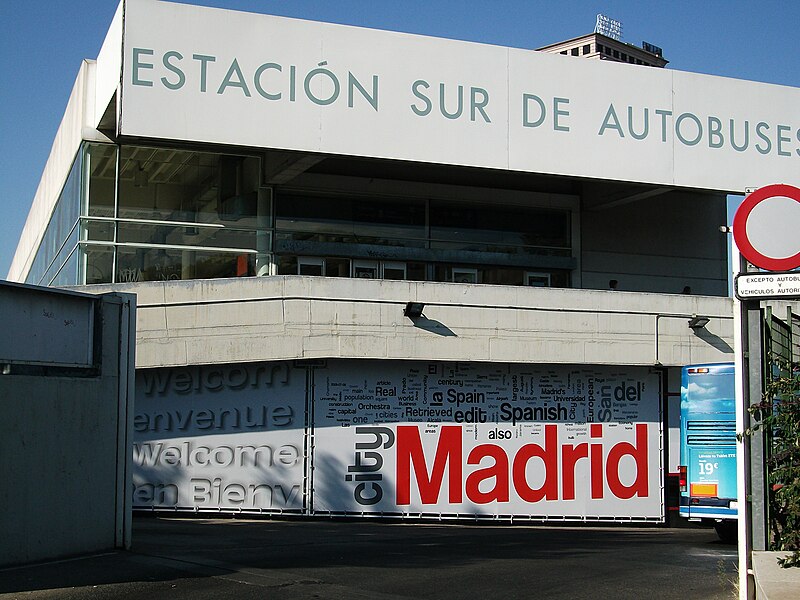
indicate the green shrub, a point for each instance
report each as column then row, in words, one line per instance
column 778, row 414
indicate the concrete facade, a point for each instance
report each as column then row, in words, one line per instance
column 293, row 317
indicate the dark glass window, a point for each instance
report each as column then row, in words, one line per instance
column 61, row 230
column 167, row 264
column 102, row 168
column 351, row 220
column 176, row 185
column 485, row 228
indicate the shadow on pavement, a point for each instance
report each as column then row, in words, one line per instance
column 411, row 559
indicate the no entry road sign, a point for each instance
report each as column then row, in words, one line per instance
column 767, row 227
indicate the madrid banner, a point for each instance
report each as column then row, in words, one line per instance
column 469, row 439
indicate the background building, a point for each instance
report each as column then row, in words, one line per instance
column 602, row 47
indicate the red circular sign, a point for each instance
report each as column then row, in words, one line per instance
column 759, row 249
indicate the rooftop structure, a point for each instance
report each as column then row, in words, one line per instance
column 597, row 46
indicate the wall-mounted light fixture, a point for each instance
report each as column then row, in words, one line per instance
column 696, row 322
column 413, row 310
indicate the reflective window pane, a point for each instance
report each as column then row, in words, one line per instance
column 508, row 229
column 101, row 231
column 57, row 265
column 102, row 169
column 68, row 271
column 160, row 264
column 180, row 185
column 98, row 262
column 351, row 221
column 182, row 235
column 337, row 267
column 63, row 220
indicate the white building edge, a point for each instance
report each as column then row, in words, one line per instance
column 278, row 190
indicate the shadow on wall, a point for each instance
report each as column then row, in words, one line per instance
column 334, row 493
column 433, row 326
column 713, row 340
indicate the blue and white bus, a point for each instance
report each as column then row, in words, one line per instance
column 708, row 447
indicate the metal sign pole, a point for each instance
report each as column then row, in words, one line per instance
column 746, row 587
column 751, row 458
column 764, row 234
column 757, row 455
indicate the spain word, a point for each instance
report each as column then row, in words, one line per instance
column 509, row 412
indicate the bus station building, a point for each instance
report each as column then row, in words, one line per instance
column 388, row 275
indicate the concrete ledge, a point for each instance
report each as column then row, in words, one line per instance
column 772, row 581
column 221, row 321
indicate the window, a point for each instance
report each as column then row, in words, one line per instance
column 334, row 219
column 394, row 270
column 534, row 279
column 464, row 275
column 495, row 275
column 157, row 214
column 177, row 185
column 574, row 52
column 61, row 235
column 365, row 269
column 166, row 214
column 170, row 264
column 512, row 230
column 587, row 48
column 314, row 266
column 310, row 266
column 337, row 267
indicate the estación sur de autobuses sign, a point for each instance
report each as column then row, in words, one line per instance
column 260, row 81
column 765, row 229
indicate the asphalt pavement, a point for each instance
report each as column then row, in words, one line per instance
column 298, row 560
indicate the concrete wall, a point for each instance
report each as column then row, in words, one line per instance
column 294, row 317
column 64, row 434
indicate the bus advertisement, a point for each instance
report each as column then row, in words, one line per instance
column 708, row 447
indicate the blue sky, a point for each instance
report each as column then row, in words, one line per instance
column 43, row 42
